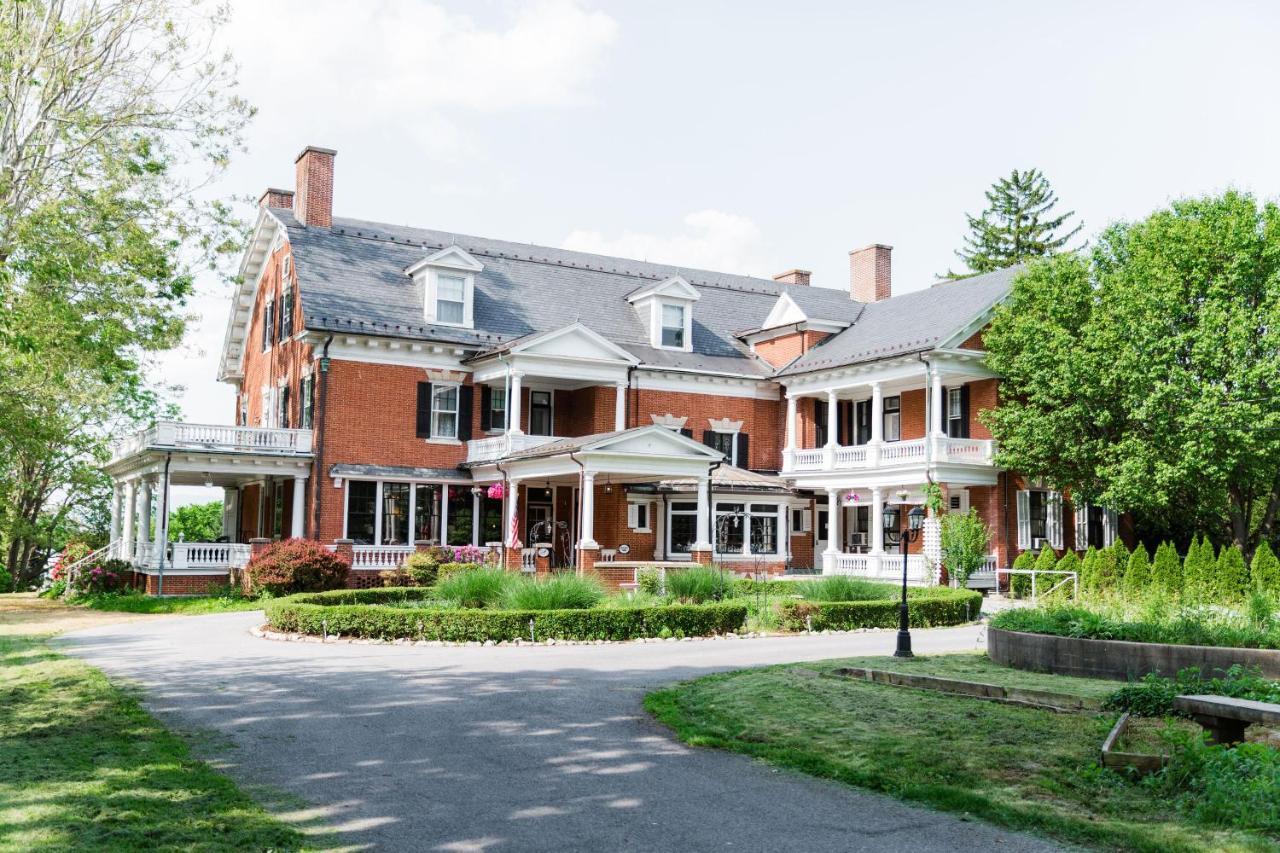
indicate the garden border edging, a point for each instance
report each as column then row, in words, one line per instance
column 1120, row 660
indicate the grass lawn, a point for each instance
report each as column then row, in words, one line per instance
column 84, row 767
column 191, row 605
column 1017, row 767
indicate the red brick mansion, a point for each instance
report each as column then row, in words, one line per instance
column 401, row 387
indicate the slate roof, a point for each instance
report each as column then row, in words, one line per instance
column 351, row 278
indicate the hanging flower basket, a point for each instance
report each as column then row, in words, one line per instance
column 497, row 491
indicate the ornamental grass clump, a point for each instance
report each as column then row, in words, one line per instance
column 699, row 584
column 843, row 588
column 561, row 592
column 474, row 589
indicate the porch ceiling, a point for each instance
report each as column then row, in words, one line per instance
column 198, row 468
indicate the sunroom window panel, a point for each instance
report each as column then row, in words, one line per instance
column 362, row 498
column 683, row 529
column 764, row 530
column 426, row 510
column 395, row 514
column 730, row 527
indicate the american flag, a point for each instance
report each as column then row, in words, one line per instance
column 515, row 516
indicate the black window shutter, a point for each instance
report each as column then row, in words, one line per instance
column 864, row 421
column 686, row 432
column 744, row 452
column 964, row 411
column 424, row 410
column 820, row 422
column 946, row 413
column 486, row 402
column 844, row 422
column 466, row 405
column 709, row 438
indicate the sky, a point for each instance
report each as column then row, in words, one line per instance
column 746, row 137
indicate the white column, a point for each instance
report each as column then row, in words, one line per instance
column 588, row 501
column 935, row 415
column 229, row 512
column 877, row 521
column 513, row 416
column 831, row 418
column 877, row 414
column 129, row 518
column 299, row 505
column 115, row 512
column 164, row 505
column 791, row 422
column 834, row 532
column 475, row 518
column 704, row 515
column 620, row 407
column 144, row 511
column 444, row 513
column 377, row 513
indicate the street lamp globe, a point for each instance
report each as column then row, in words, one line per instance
column 915, row 518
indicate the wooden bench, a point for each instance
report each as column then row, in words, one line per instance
column 1225, row 718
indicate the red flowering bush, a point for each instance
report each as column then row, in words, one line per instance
column 297, row 565
column 105, row 576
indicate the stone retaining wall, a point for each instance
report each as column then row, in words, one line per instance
column 1118, row 659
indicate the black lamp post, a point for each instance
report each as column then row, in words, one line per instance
column 915, row 521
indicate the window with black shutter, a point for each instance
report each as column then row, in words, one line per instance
column 743, row 459
column 286, row 312
column 957, row 412
column 820, row 423
column 862, row 422
column 424, row 410
column 268, row 324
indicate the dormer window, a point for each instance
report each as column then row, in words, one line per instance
column 666, row 309
column 448, row 281
column 673, row 326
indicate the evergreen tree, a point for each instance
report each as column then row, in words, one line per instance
column 1017, row 225
column 1265, row 570
column 1089, row 572
column 1231, row 576
column 1106, row 572
column 1070, row 562
column 1046, row 561
column 1197, row 570
column 1137, row 576
column 1166, row 570
column 1020, row 585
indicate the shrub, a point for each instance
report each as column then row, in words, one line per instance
column 1070, row 562
column 844, row 588
column 1089, row 572
column 395, row 577
column 963, row 541
column 699, row 584
column 6, row 580
column 1138, row 574
column 926, row 608
column 470, row 554
column 421, row 568
column 1265, row 570
column 99, row 577
column 478, row 588
column 352, row 613
column 1224, row 786
column 560, row 592
column 1020, row 585
column 1230, row 580
column 649, row 581
column 1166, row 569
column 1153, row 695
column 1106, row 572
column 296, row 565
column 1197, row 569
column 445, row 570
column 1186, row 627
column 1046, row 561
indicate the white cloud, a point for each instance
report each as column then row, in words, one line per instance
column 413, row 65
column 711, row 239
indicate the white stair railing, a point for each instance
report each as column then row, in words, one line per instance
column 108, row 551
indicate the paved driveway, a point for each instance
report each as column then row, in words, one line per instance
column 533, row 748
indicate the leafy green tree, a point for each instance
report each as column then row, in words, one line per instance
column 1020, row 585
column 196, row 522
column 1017, row 225
column 1137, row 576
column 1141, row 375
column 1166, row 569
column 116, row 114
column 1231, row 576
column 964, row 541
column 1265, row 570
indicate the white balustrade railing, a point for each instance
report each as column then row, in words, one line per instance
column 209, row 555
column 883, row 567
column 498, row 446
column 898, row 452
column 851, row 457
column 220, row 437
column 379, row 556
column 974, row 451
column 808, row 460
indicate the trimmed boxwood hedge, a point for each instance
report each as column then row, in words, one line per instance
column 355, row 613
column 926, row 608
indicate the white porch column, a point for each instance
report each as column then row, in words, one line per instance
column 230, row 510
column 877, row 521
column 475, row 517
column 299, row 505
column 834, row 532
column 129, row 511
column 588, row 501
column 791, row 422
column 144, row 511
column 620, row 407
column 935, row 414
column 704, row 516
column 832, row 423
column 513, row 416
column 444, row 513
column 877, row 414
column 164, row 506
column 115, row 512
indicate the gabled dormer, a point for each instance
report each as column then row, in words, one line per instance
column 448, row 281
column 788, row 332
column 666, row 309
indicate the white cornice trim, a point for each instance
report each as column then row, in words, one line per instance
column 451, row 257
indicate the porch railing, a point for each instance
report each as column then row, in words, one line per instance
column 192, row 556
column 379, row 556
column 243, row 439
column 973, row 451
column 498, row 446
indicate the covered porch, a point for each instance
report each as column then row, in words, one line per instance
column 263, row 473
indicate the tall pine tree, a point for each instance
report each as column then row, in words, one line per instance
column 1017, row 225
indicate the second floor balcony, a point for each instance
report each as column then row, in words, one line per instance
column 217, row 438
column 916, row 451
column 497, row 446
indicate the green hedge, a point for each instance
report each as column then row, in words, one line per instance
column 354, row 613
column 926, row 608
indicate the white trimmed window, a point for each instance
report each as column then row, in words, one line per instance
column 750, row 529
column 638, row 516
column 451, row 298
column 1095, row 526
column 448, row 280
column 1039, row 519
column 673, row 325
column 444, row 411
column 801, row 520
column 892, row 418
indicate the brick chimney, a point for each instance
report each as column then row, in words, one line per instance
column 871, row 273
column 276, row 198
column 794, row 277
column 313, row 203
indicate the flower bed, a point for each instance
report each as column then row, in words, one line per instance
column 929, row 607
column 363, row 613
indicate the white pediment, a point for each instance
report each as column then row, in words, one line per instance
column 451, row 257
column 784, row 312
column 653, row 441
column 672, row 288
column 574, row 341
